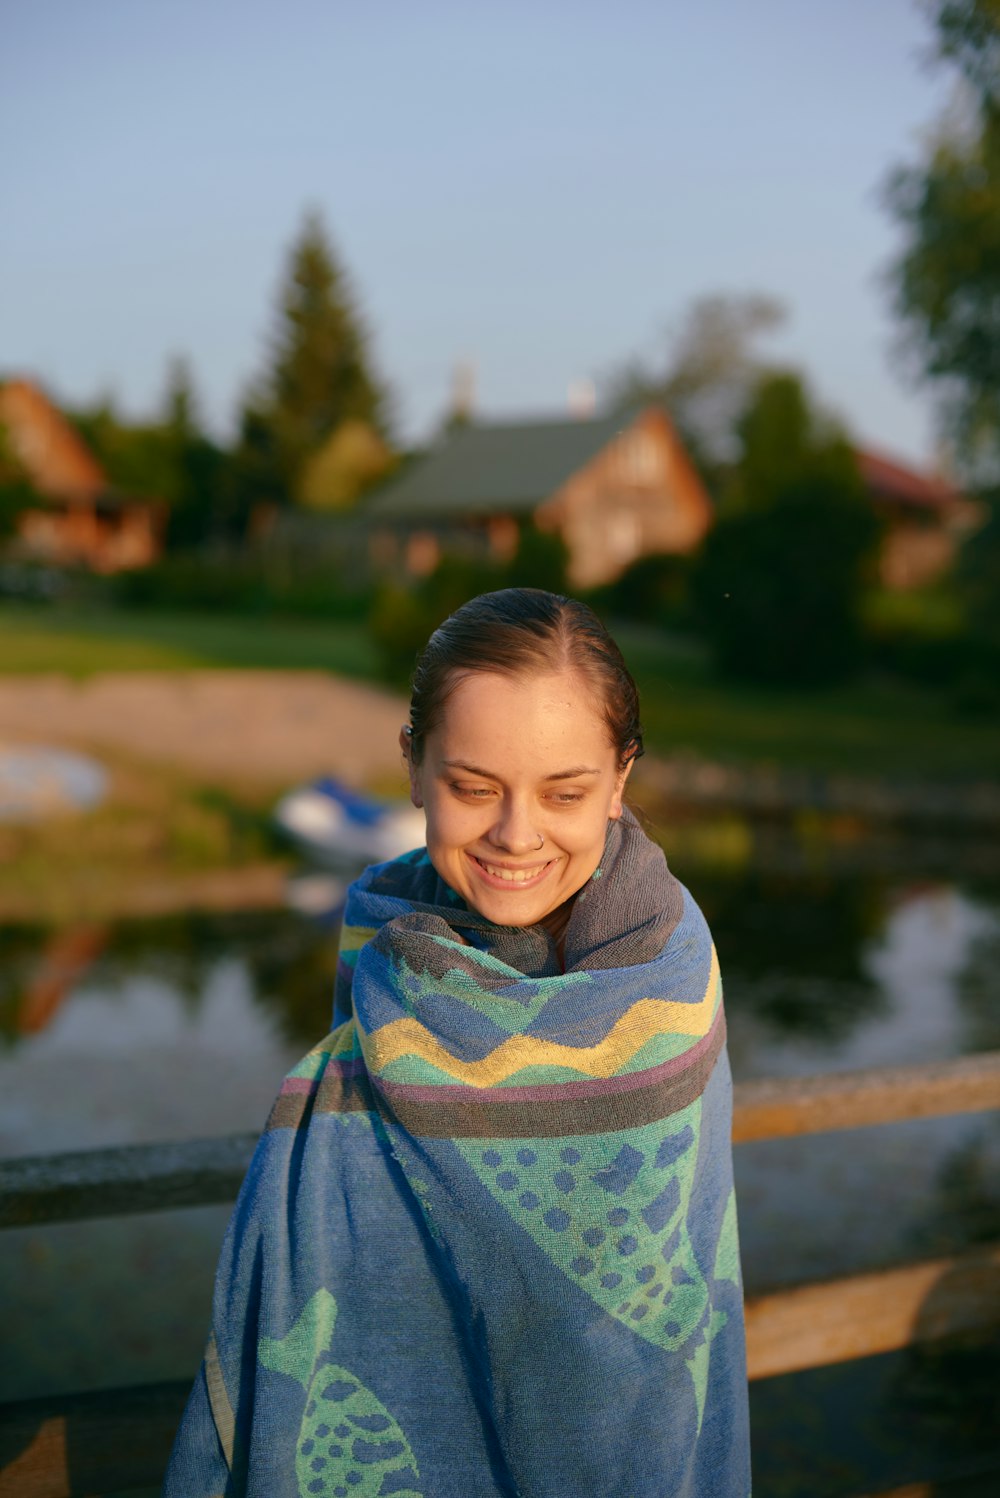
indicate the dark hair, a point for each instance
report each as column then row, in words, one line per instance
column 520, row 630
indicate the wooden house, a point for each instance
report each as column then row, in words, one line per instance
column 614, row 488
column 79, row 520
column 924, row 518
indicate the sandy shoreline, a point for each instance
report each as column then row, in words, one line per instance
column 275, row 727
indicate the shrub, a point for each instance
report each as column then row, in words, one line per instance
column 403, row 617
column 778, row 591
column 243, row 584
column 654, row 590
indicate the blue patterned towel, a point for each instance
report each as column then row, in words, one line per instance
column 487, row 1243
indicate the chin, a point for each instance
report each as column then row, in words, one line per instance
column 502, row 915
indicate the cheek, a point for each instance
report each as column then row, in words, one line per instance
column 449, row 823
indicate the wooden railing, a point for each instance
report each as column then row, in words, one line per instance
column 115, row 1440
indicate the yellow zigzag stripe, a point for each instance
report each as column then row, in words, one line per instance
column 646, row 1018
column 353, row 938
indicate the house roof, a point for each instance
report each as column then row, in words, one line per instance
column 55, row 459
column 503, row 466
column 887, row 478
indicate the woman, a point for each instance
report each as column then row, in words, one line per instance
column 487, row 1244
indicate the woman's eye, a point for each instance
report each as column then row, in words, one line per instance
column 567, row 798
column 473, row 792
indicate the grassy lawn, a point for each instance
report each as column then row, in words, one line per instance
column 873, row 726
column 878, row 726
column 83, row 642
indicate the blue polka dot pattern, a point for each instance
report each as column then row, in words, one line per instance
column 611, row 1281
column 593, row 1237
column 582, row 1265
column 556, row 1219
column 645, row 1274
column 565, row 1180
column 526, row 1157
column 627, row 1245
column 507, row 1180
column 618, row 1217
column 528, row 1200
column 492, row 1158
column 570, row 1156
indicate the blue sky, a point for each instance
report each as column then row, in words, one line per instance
column 542, row 188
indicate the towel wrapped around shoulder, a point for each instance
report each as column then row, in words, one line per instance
column 487, row 1243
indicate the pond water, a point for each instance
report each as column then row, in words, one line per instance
column 183, row 1027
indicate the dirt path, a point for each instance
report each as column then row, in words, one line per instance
column 275, row 727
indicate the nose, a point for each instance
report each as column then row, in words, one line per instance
column 514, row 831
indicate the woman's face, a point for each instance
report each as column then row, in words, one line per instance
column 518, row 781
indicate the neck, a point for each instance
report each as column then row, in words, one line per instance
column 556, row 924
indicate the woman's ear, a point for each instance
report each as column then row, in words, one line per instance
column 616, row 800
column 406, row 745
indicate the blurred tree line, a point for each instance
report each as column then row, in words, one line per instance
column 312, row 429
column 782, row 587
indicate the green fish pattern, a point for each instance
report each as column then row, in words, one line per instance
column 612, row 1215
column 348, row 1446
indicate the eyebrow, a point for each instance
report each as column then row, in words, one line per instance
column 570, row 774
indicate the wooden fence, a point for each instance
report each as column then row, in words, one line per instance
column 112, row 1441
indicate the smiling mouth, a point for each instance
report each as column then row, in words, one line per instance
column 513, row 876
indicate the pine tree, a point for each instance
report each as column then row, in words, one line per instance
column 320, row 375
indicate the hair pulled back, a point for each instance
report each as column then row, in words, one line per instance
column 525, row 631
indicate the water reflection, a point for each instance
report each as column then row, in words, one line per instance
column 820, row 973
column 177, row 1028
column 792, row 950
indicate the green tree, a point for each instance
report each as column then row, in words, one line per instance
column 169, row 459
column 350, row 460
column 196, row 467
column 778, row 584
column 790, row 450
column 320, row 375
column 135, row 455
column 946, row 281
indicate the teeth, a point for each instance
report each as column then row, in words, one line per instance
column 510, row 876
